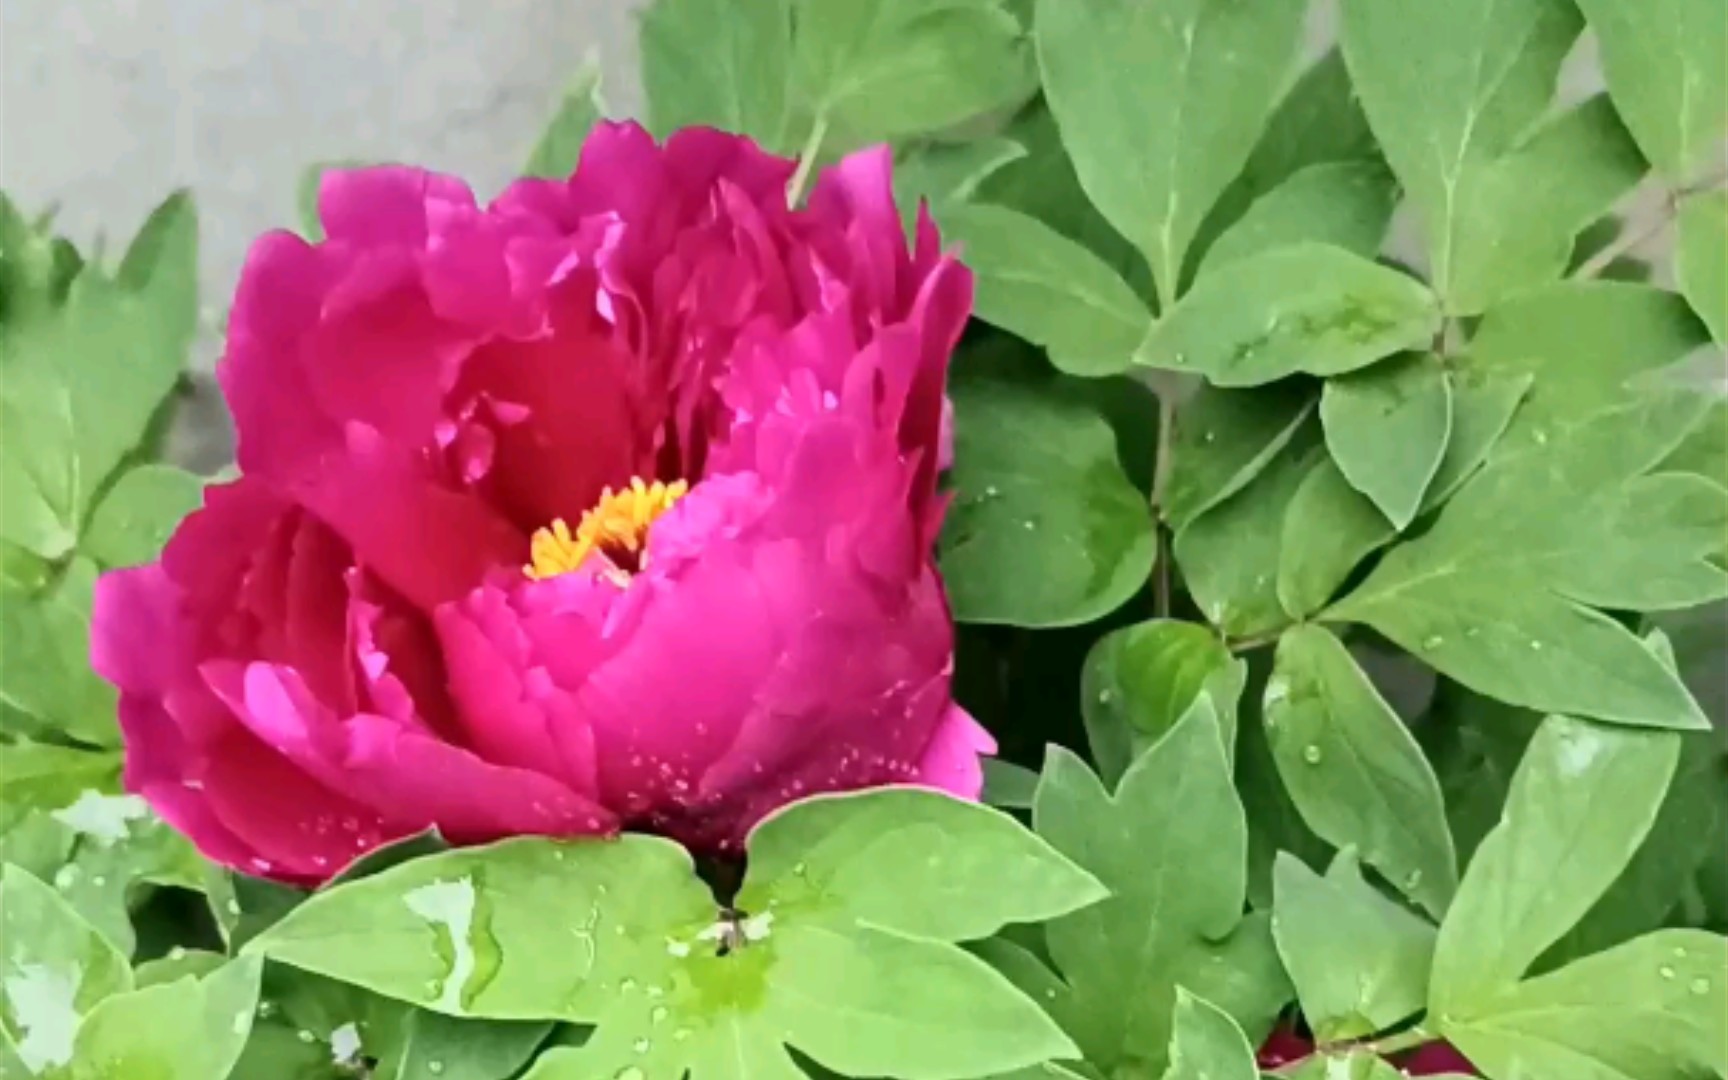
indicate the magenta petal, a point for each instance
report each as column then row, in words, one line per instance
column 953, row 762
column 384, row 204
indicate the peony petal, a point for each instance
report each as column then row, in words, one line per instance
column 385, row 205
column 953, row 762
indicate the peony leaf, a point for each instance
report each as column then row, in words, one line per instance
column 849, row 859
column 1206, row 1044
column 54, row 970
column 192, row 1029
column 45, row 668
column 871, row 70
column 1664, row 63
column 1360, row 961
column 1155, row 150
column 712, row 63
column 1387, row 428
column 1345, row 204
column 821, row 955
column 1319, row 122
column 1036, row 283
column 439, row 1046
column 1351, row 1065
column 1649, row 1008
column 1701, row 259
column 949, row 174
column 1582, row 801
column 82, row 386
column 161, row 267
column 1139, row 681
column 1046, row 530
column 1450, row 90
column 1330, row 526
column 1305, row 308
column 1353, row 769
column 1229, row 555
column 1171, row 845
column 1517, row 218
column 1223, row 439
column 1537, row 534
column 139, row 513
column 580, row 107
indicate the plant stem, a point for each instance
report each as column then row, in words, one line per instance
column 1161, row 580
column 807, row 161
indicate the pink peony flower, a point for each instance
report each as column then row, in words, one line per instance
column 610, row 505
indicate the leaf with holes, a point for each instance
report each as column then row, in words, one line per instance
column 825, row 946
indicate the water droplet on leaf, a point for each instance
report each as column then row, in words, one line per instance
column 1312, row 754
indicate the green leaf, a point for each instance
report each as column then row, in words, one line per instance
column 948, row 174
column 1155, row 150
column 1038, row 284
column 1007, row 785
column 1701, row 259
column 1223, row 439
column 1517, row 223
column 1344, row 204
column 1665, row 65
column 1304, row 308
column 1046, row 530
column 1360, row 962
column 674, row 983
column 178, row 964
column 54, row 970
column 161, row 266
column 1450, row 89
column 1229, row 555
column 1206, row 1044
column 1581, row 802
column 45, row 666
column 43, row 776
column 848, row 859
column 712, row 63
column 138, row 514
column 1171, row 846
column 194, row 1029
column 1319, row 122
column 79, row 390
column 1140, row 680
column 438, row 1046
column 1648, row 1010
column 580, row 107
column 1646, row 892
column 871, row 70
column 1586, row 344
column 1387, row 428
column 1353, row 768
column 1503, row 570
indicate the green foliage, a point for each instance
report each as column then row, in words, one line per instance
column 1381, row 573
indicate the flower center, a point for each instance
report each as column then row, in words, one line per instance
column 617, row 527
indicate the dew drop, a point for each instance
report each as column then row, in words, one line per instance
column 1412, row 880
column 305, row 1036
column 435, row 1067
column 1312, row 754
column 657, row 1014
column 99, row 881
column 1179, row 359
column 1209, row 437
column 641, row 1046
column 680, row 1034
column 1540, row 436
column 1665, row 971
column 1700, row 986
column 1433, row 641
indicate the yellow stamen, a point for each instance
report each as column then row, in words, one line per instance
column 617, row 525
